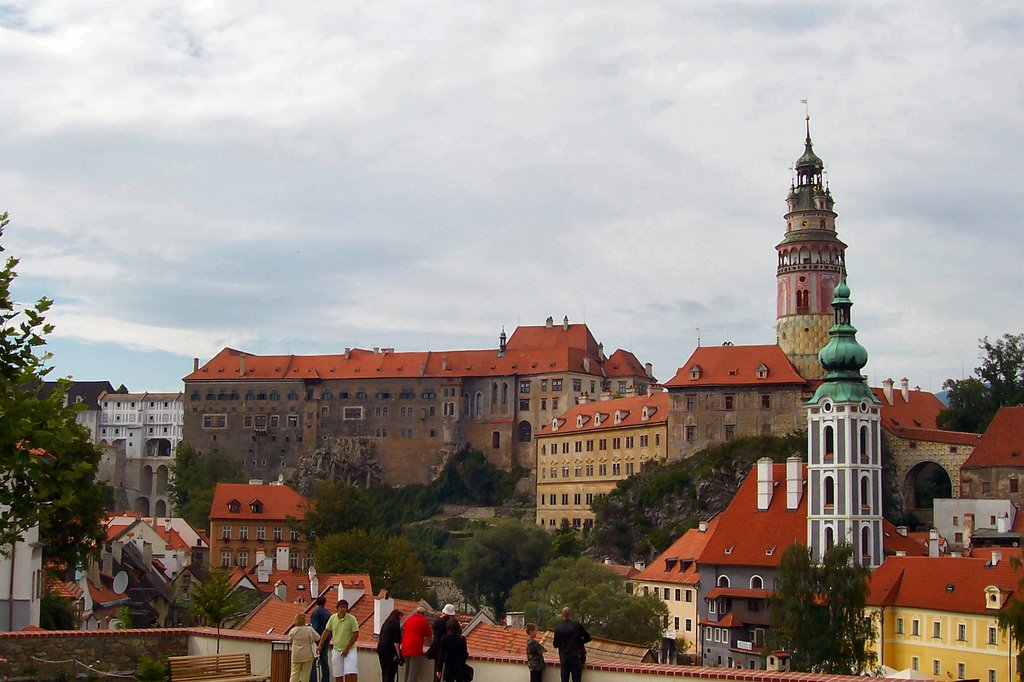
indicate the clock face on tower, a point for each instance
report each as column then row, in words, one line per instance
column 803, row 223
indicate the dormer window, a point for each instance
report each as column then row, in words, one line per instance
column 554, row 424
column 256, row 506
column 620, row 415
column 234, row 506
column 695, row 372
column 597, row 418
column 993, row 598
column 762, row 371
column 646, row 414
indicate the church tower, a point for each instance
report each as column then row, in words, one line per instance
column 844, row 447
column 811, row 262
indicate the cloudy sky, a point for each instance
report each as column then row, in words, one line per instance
column 186, row 176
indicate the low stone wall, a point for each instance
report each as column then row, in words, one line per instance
column 69, row 654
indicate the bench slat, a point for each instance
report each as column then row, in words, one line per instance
column 213, row 668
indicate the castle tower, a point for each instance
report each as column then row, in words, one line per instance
column 811, row 262
column 844, row 448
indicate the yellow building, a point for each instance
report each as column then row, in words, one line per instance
column 937, row 616
column 583, row 453
column 674, row 579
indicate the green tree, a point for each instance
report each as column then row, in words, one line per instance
column 1011, row 617
column 338, row 508
column 123, row 619
column 48, row 465
column 997, row 382
column 566, row 542
column 599, row 600
column 818, row 612
column 215, row 601
column 56, row 612
column 496, row 558
column 194, row 479
column 388, row 559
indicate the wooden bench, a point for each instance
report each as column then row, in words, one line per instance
column 219, row 667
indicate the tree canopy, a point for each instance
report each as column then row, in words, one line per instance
column 495, row 559
column 215, row 601
column 818, row 612
column 48, row 464
column 194, row 480
column 598, row 598
column 389, row 560
column 1011, row 616
column 997, row 382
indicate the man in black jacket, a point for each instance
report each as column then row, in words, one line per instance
column 321, row 671
column 570, row 638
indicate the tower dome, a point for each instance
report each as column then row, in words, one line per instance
column 843, row 357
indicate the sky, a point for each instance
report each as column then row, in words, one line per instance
column 185, row 176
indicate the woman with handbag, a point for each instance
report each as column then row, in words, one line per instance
column 452, row 655
column 303, row 639
column 389, row 646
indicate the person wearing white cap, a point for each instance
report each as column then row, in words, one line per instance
column 440, row 629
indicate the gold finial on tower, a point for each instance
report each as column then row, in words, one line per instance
column 807, row 110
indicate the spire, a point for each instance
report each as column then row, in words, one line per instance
column 502, row 343
column 843, row 357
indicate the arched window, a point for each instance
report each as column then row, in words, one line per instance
column 504, row 393
column 723, row 581
column 830, row 440
column 864, row 440
column 494, row 393
column 756, row 582
column 160, row 508
column 830, row 491
column 830, row 538
column 495, row 439
column 865, row 544
column 865, row 497
column 525, row 432
column 147, row 481
column 478, row 407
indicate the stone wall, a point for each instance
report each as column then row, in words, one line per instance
column 43, row 655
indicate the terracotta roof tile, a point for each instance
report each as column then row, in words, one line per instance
column 487, row 638
column 951, row 584
column 583, row 418
column 678, row 563
column 272, row 616
column 1002, row 444
column 736, row 366
column 279, row 502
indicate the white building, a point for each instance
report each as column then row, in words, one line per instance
column 139, row 433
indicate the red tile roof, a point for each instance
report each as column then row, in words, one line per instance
column 530, row 350
column 279, row 502
column 678, row 563
column 630, row 410
column 487, row 638
column 272, row 616
column 736, row 366
column 913, row 418
column 1002, row 444
column 951, row 584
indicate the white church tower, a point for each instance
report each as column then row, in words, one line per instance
column 844, row 448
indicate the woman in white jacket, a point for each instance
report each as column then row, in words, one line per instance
column 303, row 639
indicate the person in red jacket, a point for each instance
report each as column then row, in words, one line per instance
column 415, row 634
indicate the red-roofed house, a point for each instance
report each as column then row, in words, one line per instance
column 996, row 467
column 584, row 452
column 938, row 616
column 249, row 522
column 415, row 406
column 673, row 578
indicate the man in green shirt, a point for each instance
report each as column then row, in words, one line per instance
column 343, row 629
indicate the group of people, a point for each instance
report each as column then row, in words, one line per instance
column 326, row 648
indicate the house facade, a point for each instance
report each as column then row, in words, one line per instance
column 250, row 522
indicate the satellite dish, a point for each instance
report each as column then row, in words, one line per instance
column 120, row 582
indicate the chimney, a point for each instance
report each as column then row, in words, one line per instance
column 794, row 482
column 902, row 530
column 1003, row 523
column 444, row 364
column 649, row 370
column 116, row 548
column 281, row 563
column 887, row 390
column 108, row 566
column 262, row 573
column 550, row 322
column 383, row 605
column 565, row 323
column 764, row 483
column 933, row 542
column 702, row 526
column 195, row 364
column 639, row 565
column 905, row 389
column 582, row 398
column 997, row 556
column 515, row 619
column 241, row 365
column 351, row 593
column 314, row 583
column 147, row 554
column 260, row 556
column 281, row 590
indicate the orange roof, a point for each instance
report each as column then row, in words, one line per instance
column 530, row 350
column 296, row 582
column 1002, row 444
column 66, row 589
column 678, row 563
column 913, row 418
column 279, row 502
column 1004, row 552
column 746, row 536
column 622, row 363
column 951, row 584
column 496, row 639
column 736, row 366
column 273, row 617
column 600, row 415
column 914, row 544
